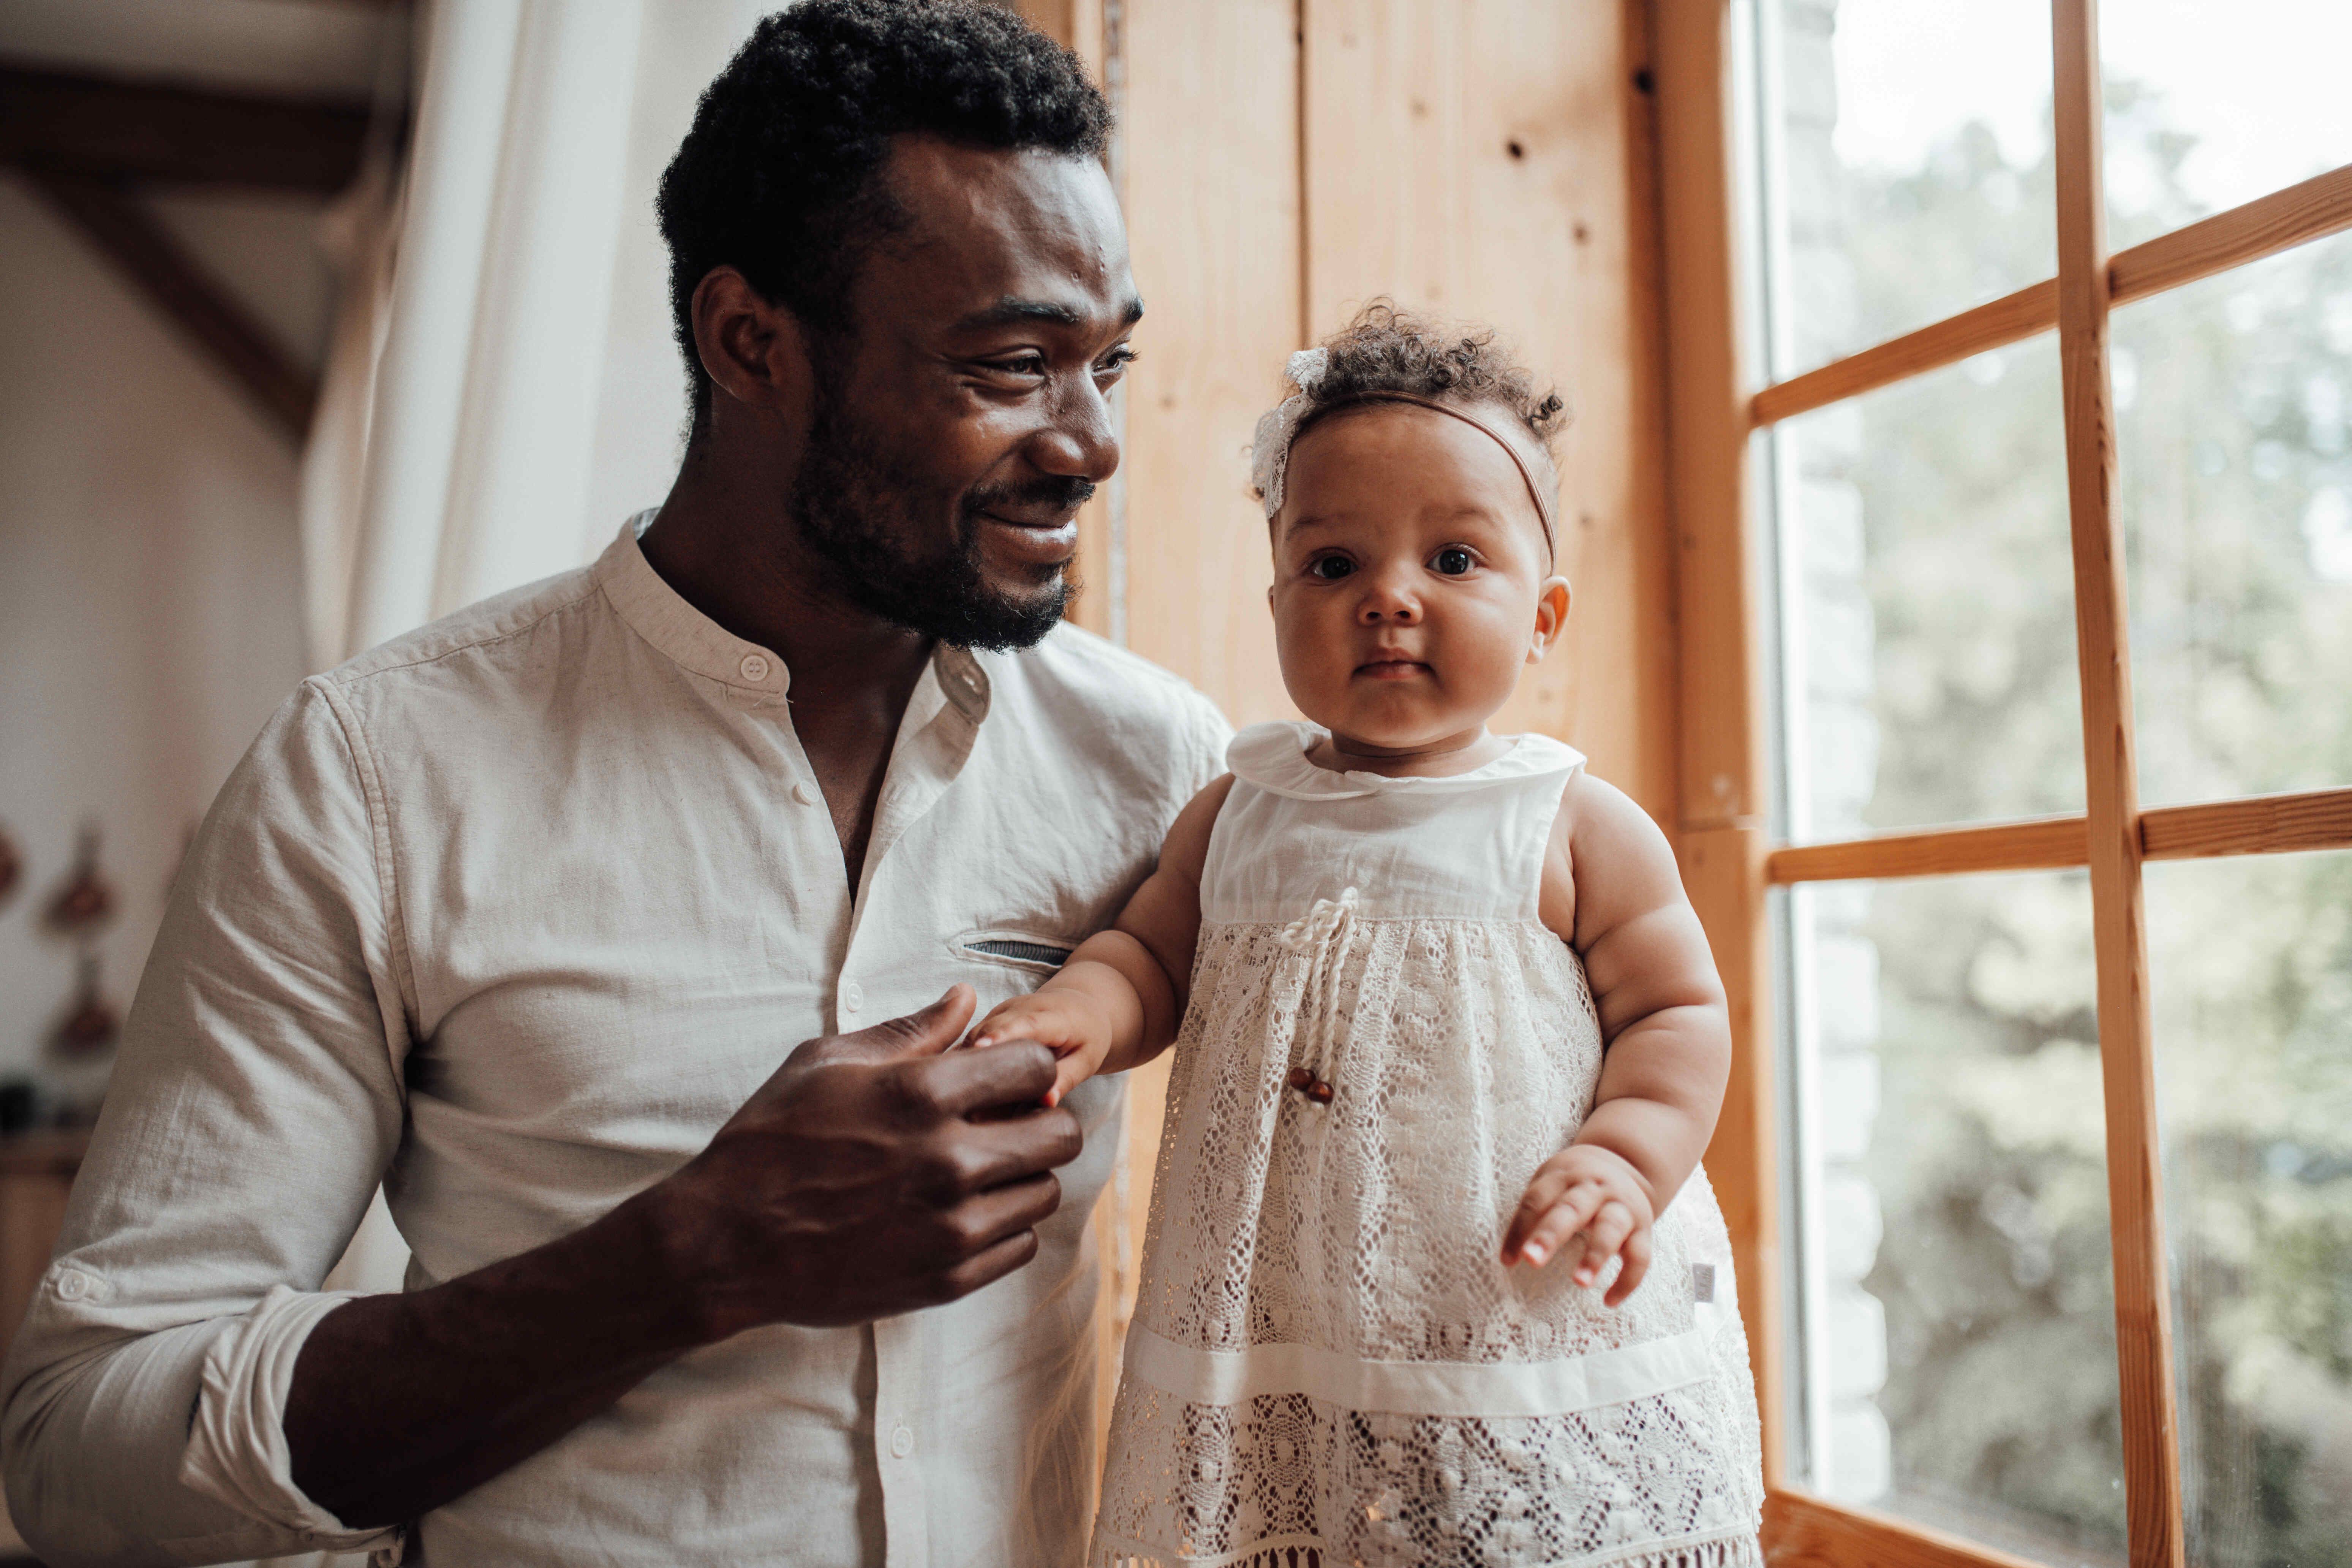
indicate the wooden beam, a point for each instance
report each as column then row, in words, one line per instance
column 2042, row 844
column 181, row 287
column 2264, row 825
column 146, row 132
column 2317, row 208
column 1719, row 829
column 1806, row 1532
column 2118, row 899
column 2005, row 320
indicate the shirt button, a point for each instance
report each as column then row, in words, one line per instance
column 805, row 792
column 754, row 666
column 902, row 1442
column 853, row 997
column 73, row 1285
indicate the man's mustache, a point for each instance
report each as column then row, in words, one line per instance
column 1066, row 493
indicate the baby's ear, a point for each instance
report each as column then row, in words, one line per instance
column 1551, row 616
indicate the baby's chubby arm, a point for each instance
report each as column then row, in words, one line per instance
column 1118, row 1002
column 1610, row 887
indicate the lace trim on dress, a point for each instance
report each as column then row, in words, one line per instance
column 1273, row 756
column 1739, row 1551
column 1426, row 1387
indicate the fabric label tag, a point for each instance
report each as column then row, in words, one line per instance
column 1703, row 1281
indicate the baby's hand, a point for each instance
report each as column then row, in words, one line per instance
column 1066, row 1023
column 1591, row 1199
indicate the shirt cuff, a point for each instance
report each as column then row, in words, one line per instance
column 237, row 1452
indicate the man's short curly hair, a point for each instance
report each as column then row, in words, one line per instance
column 1387, row 349
column 778, row 176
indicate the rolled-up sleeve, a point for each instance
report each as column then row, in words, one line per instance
column 255, row 1106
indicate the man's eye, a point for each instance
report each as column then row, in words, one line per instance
column 1453, row 561
column 1024, row 365
column 1331, row 568
column 1115, row 363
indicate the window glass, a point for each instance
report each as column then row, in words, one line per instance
column 1957, row 1329
column 2211, row 103
column 2252, row 1001
column 1914, row 170
column 2234, row 401
column 1928, row 602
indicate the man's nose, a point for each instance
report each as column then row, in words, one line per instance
column 1079, row 443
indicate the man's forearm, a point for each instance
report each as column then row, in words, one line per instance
column 400, row 1404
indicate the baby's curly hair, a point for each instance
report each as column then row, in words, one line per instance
column 1388, row 350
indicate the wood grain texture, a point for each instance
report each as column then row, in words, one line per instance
column 188, row 296
column 2262, row 825
column 2038, row 845
column 1718, row 835
column 1995, row 324
column 2319, row 206
column 2135, row 1188
column 100, row 129
column 1487, row 162
column 1213, row 221
column 1800, row 1532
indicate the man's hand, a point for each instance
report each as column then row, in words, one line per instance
column 1594, row 1201
column 1065, row 1020
column 873, row 1173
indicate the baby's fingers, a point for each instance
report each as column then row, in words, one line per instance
column 1563, row 1220
column 1607, row 1233
column 1637, row 1265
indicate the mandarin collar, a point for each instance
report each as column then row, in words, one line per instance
column 692, row 640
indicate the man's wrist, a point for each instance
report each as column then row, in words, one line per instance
column 672, row 1243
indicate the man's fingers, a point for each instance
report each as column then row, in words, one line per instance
column 925, row 1032
column 1010, row 1077
column 988, row 1266
column 990, row 1154
column 982, row 1220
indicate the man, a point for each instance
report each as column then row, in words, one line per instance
column 523, row 914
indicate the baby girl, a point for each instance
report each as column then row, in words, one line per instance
column 1449, row 1045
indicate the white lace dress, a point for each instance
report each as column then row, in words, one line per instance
column 1326, row 1353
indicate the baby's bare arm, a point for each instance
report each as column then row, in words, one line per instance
column 1619, row 899
column 1118, row 1002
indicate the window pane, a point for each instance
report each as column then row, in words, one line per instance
column 2253, row 1027
column 1915, row 176
column 2234, row 481
column 2214, row 102
column 1959, row 1340
column 1929, row 602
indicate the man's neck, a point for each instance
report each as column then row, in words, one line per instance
column 738, row 558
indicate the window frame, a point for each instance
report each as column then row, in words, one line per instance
column 1718, row 407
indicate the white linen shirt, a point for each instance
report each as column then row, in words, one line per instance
column 512, row 913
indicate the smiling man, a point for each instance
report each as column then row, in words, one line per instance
column 621, row 927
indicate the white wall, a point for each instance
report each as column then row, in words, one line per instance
column 149, row 611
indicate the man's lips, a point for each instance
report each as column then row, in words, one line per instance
column 1046, row 541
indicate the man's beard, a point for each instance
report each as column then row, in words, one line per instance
column 842, row 500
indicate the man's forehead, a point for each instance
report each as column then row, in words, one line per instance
column 999, row 235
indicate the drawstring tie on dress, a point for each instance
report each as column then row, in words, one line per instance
column 1321, row 936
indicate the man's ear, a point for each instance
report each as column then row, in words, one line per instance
column 755, row 352
column 1551, row 616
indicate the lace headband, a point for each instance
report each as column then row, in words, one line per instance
column 1277, row 429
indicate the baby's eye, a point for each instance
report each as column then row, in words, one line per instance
column 1331, row 568
column 1453, row 561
